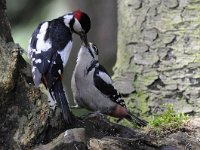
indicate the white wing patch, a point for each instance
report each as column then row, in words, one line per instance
column 37, row 61
column 41, row 44
column 104, row 76
column 65, row 53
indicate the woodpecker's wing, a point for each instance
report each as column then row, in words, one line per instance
column 103, row 83
column 49, row 50
column 31, row 55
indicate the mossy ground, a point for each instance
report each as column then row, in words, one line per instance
column 167, row 122
column 161, row 124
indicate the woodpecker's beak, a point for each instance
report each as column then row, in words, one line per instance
column 84, row 39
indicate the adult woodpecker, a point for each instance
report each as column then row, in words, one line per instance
column 93, row 89
column 49, row 50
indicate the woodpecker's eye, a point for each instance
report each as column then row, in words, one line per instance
column 95, row 49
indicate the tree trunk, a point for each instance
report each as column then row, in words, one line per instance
column 158, row 54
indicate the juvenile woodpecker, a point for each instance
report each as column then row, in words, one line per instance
column 49, row 49
column 93, row 89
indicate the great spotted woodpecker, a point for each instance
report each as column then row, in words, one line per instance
column 93, row 89
column 49, row 50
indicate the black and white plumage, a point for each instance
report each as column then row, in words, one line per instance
column 93, row 89
column 49, row 50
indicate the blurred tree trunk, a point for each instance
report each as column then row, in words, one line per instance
column 158, row 58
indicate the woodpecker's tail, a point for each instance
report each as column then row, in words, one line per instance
column 137, row 120
column 58, row 94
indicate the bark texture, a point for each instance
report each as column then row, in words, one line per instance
column 158, row 57
column 24, row 113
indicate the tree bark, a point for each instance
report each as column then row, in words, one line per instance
column 158, row 54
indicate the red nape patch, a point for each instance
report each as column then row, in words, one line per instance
column 78, row 14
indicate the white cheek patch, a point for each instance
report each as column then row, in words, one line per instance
column 77, row 26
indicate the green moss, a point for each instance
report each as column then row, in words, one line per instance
column 197, row 57
column 168, row 121
column 80, row 112
column 123, row 122
column 137, row 102
column 142, row 97
column 121, row 65
column 193, row 5
column 129, row 101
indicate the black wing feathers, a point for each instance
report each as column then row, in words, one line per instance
column 53, row 73
column 59, row 34
column 46, row 58
column 102, row 69
column 107, row 88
